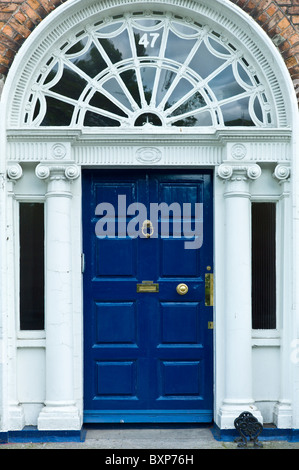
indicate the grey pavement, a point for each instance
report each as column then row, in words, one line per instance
column 148, row 438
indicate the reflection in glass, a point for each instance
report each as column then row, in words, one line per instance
column 258, row 109
column 117, row 48
column 218, row 47
column 52, row 74
column 130, row 79
column 244, row 75
column 110, row 28
column 100, row 101
column 148, row 77
column 183, row 29
column 224, row 85
column 91, row 62
column 193, row 103
column 182, row 89
column 114, row 89
column 58, row 113
column 204, row 63
column 196, row 120
column 70, row 84
column 97, row 120
column 178, row 48
column 237, row 113
column 77, row 47
column 157, row 70
column 166, row 79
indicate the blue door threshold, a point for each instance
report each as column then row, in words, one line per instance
column 32, row 434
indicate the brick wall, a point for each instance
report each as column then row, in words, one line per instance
column 279, row 18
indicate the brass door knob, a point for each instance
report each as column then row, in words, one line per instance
column 182, row 289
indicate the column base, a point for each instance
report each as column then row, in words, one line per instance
column 282, row 415
column 230, row 411
column 16, row 417
column 59, row 418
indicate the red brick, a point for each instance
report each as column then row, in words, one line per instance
column 283, row 24
column 34, row 4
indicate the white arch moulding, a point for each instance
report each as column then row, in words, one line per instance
column 242, row 156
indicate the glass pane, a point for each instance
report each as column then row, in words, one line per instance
column 263, row 265
column 97, row 120
column 197, row 120
column 91, row 62
column 102, row 102
column 147, row 43
column 114, row 88
column 31, row 266
column 204, row 63
column 117, row 48
column 78, row 47
column 195, row 70
column 110, row 28
column 166, row 79
column 184, row 29
column 182, row 88
column 258, row 109
column 148, row 77
column 178, row 48
column 130, row 80
column 70, row 84
column 58, row 113
column 218, row 47
column 244, row 75
column 193, row 103
column 237, row 113
column 224, row 85
column 52, row 74
column 147, row 23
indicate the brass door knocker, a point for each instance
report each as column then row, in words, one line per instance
column 147, row 229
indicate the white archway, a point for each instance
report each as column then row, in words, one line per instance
column 238, row 45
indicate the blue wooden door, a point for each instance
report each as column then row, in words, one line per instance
column 147, row 355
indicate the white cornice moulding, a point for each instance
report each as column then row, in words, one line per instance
column 145, row 149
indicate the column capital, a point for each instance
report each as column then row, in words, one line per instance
column 239, row 172
column 57, row 172
column 14, row 171
column 282, row 173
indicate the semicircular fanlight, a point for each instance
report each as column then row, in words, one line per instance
column 147, row 69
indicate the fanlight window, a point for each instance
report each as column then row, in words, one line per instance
column 147, row 70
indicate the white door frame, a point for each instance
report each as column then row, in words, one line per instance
column 239, row 157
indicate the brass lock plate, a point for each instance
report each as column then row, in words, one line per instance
column 147, row 286
column 209, row 289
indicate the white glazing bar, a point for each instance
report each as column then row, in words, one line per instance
column 158, row 71
column 115, row 72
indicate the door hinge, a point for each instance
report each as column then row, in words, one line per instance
column 82, row 263
column 210, row 325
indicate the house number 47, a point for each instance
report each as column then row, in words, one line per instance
column 148, row 39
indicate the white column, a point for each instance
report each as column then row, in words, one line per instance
column 237, row 289
column 283, row 408
column 60, row 411
column 16, row 417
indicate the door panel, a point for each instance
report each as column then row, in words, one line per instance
column 147, row 355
